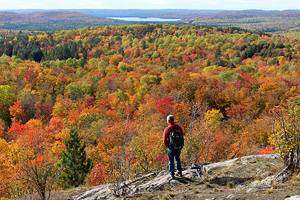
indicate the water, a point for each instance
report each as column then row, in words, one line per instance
column 147, row 19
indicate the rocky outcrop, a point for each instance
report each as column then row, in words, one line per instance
column 239, row 171
column 297, row 197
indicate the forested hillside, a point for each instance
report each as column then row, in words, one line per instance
column 271, row 21
column 259, row 20
column 47, row 20
column 115, row 85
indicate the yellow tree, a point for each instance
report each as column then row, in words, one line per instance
column 6, row 169
column 2, row 128
column 286, row 138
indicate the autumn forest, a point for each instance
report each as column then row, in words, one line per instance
column 111, row 88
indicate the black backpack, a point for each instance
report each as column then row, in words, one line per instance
column 176, row 138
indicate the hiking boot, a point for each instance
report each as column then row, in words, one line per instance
column 179, row 174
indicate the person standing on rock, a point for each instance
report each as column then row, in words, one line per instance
column 174, row 141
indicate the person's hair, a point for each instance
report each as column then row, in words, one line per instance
column 170, row 118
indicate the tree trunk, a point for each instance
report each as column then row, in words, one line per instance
column 292, row 166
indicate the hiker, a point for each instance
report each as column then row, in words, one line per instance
column 174, row 141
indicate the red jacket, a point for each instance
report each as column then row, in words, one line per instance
column 166, row 136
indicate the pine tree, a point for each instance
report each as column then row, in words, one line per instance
column 74, row 164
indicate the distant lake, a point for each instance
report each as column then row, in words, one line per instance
column 147, row 19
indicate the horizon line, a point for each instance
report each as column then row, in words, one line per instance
column 207, row 9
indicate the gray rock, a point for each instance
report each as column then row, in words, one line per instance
column 231, row 196
column 162, row 173
column 254, row 158
column 263, row 184
column 154, row 181
column 251, row 190
column 297, row 197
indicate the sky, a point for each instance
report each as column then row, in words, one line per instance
column 151, row 4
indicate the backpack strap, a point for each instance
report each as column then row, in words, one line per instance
column 176, row 127
column 169, row 136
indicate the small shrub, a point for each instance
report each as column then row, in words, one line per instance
column 266, row 150
column 229, row 76
column 165, row 196
column 247, row 69
column 270, row 190
column 231, row 185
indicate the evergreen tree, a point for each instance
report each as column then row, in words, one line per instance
column 74, row 163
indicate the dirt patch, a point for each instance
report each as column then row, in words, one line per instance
column 225, row 180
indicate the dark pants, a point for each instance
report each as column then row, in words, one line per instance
column 172, row 153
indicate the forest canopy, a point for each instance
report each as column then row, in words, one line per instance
column 115, row 85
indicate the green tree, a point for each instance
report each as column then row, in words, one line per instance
column 74, row 163
column 7, row 97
